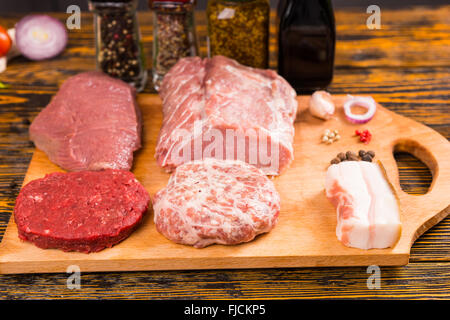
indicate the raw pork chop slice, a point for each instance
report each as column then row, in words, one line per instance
column 216, row 201
column 368, row 214
column 219, row 108
column 92, row 123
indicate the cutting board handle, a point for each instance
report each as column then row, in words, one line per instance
column 422, row 153
column 434, row 150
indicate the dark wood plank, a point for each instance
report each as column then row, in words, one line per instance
column 415, row 281
column 412, row 36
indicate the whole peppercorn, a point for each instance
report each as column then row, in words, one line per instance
column 341, row 156
column 371, row 153
column 335, row 161
column 361, row 153
column 350, row 154
column 367, row 158
column 329, row 136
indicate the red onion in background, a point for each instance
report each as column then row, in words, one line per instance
column 40, row 37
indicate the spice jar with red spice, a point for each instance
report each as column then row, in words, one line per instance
column 174, row 35
column 118, row 42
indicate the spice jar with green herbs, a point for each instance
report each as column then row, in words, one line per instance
column 174, row 35
column 118, row 44
column 239, row 29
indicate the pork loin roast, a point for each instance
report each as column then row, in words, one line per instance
column 221, row 109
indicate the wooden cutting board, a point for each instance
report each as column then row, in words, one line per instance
column 305, row 233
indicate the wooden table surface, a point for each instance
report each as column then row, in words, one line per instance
column 404, row 66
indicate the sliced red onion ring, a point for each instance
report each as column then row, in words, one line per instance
column 366, row 102
column 40, row 37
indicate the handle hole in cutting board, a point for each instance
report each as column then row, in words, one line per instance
column 416, row 167
column 415, row 177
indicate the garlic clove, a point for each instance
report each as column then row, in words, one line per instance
column 321, row 105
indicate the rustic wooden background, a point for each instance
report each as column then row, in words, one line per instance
column 61, row 5
column 404, row 66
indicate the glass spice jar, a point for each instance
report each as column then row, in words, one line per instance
column 239, row 29
column 174, row 35
column 118, row 42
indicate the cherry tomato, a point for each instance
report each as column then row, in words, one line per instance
column 5, row 42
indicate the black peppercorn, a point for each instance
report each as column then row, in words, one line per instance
column 351, row 154
column 335, row 161
column 341, row 156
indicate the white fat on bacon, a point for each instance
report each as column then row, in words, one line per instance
column 368, row 214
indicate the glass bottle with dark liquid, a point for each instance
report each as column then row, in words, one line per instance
column 306, row 40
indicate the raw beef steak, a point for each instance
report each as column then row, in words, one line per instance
column 80, row 211
column 216, row 201
column 92, row 123
column 219, row 108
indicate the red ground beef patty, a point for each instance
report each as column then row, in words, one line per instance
column 80, row 211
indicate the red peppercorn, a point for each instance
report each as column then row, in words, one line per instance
column 364, row 136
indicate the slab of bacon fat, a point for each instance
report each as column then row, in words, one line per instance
column 368, row 214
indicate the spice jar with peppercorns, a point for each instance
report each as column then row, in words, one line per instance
column 174, row 35
column 118, row 44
